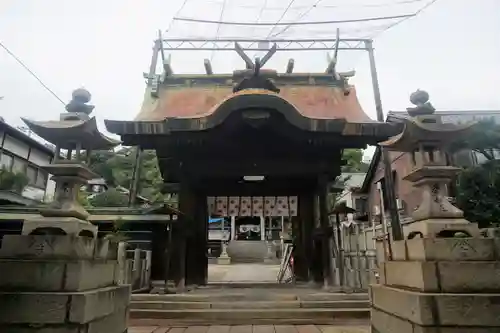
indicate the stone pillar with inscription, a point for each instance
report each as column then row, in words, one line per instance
column 443, row 277
column 57, row 276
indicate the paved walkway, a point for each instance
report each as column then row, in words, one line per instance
column 252, row 329
column 242, row 273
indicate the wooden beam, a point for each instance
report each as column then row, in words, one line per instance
column 289, row 66
column 249, row 63
column 268, row 55
column 167, row 67
column 332, row 61
column 165, row 61
column 208, row 67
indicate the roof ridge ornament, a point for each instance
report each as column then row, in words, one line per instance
column 332, row 64
column 252, row 78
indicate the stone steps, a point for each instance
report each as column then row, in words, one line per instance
column 225, row 296
column 169, row 305
column 250, row 307
column 251, row 316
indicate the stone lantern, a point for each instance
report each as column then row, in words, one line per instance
column 57, row 276
column 74, row 132
column 440, row 281
column 426, row 138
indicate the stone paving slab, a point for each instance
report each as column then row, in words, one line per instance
column 242, row 273
column 251, row 329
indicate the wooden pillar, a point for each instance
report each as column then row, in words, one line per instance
column 197, row 260
column 302, row 230
column 184, row 237
column 201, row 239
column 158, row 249
column 325, row 228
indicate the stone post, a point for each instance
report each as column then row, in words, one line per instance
column 224, row 258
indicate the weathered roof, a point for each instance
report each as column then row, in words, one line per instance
column 66, row 134
column 347, row 117
column 312, row 101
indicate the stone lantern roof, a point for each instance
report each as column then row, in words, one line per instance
column 75, row 127
column 423, row 127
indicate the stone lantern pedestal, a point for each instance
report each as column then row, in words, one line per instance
column 60, row 283
column 64, row 215
column 439, row 285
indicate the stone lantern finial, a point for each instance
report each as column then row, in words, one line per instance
column 420, row 99
column 77, row 108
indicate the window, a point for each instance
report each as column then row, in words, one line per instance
column 41, row 178
column 6, row 161
column 31, row 173
column 361, row 205
column 18, row 165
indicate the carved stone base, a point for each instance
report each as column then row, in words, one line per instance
column 224, row 260
column 59, row 226
column 438, row 285
column 440, row 227
column 60, row 284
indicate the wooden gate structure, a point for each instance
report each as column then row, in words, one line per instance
column 287, row 130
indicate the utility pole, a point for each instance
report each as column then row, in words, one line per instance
column 397, row 232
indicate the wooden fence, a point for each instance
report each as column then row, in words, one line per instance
column 134, row 268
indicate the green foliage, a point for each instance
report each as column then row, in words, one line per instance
column 110, row 198
column 117, row 169
column 13, row 181
column 478, row 193
column 484, row 138
column 82, row 199
column 353, row 159
column 118, row 233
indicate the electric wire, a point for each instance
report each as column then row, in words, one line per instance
column 355, row 5
column 20, row 62
column 281, row 17
column 218, row 26
column 301, row 16
column 176, row 13
column 378, row 18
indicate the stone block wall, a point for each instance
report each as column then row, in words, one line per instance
column 60, row 284
column 445, row 285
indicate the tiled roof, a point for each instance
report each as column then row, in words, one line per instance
column 315, row 102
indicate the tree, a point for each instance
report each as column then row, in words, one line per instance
column 13, row 181
column 478, row 187
column 117, row 169
column 110, row 198
column 478, row 193
column 484, row 139
column 354, row 161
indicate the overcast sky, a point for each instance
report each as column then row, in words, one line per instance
column 452, row 50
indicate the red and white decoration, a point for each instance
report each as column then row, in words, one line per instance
column 253, row 206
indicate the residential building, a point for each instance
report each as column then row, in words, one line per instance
column 409, row 197
column 350, row 193
column 20, row 152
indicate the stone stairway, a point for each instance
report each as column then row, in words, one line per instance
column 250, row 306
